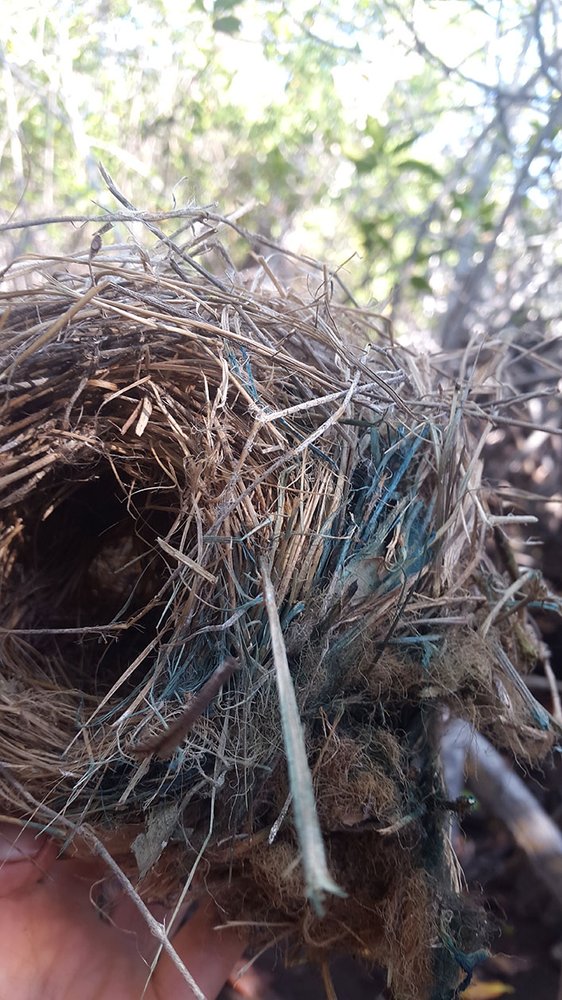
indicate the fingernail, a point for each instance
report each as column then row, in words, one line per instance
column 19, row 845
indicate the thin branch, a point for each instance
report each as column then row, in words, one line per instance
column 546, row 62
column 156, row 928
column 453, row 321
column 198, row 215
column 520, row 95
column 506, row 796
column 164, row 744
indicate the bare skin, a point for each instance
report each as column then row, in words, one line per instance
column 55, row 945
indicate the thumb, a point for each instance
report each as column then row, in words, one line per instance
column 25, row 858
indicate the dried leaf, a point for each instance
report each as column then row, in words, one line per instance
column 148, row 846
column 487, row 990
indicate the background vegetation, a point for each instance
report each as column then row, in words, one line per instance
column 416, row 144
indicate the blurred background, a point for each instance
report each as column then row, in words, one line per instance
column 415, row 146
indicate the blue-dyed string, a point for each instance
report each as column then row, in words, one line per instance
column 426, row 642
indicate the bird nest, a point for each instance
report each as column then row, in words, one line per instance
column 246, row 557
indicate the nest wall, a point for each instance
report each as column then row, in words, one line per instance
column 165, row 435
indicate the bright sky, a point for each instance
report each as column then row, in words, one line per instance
column 448, row 27
column 450, row 30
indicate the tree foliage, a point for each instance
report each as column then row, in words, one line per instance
column 416, row 143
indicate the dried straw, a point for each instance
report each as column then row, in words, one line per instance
column 201, row 474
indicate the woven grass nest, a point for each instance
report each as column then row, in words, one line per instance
column 246, row 561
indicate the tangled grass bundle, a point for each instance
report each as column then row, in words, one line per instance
column 244, row 563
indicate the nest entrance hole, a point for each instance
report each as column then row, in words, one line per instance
column 89, row 558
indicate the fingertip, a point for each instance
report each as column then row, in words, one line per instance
column 25, row 858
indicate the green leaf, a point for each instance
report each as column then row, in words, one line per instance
column 367, row 163
column 421, row 168
column 405, row 144
column 228, row 25
column 376, row 132
column 420, row 282
column 461, row 200
column 372, row 239
column 220, row 6
column 487, row 213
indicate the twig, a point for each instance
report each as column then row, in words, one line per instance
column 165, row 743
column 120, row 197
column 542, row 683
column 318, row 879
column 328, row 982
column 156, row 928
column 506, row 796
column 130, row 216
column 553, row 689
column 506, row 596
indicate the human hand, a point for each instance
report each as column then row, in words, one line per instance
column 55, row 944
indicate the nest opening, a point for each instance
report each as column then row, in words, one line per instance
column 87, row 572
